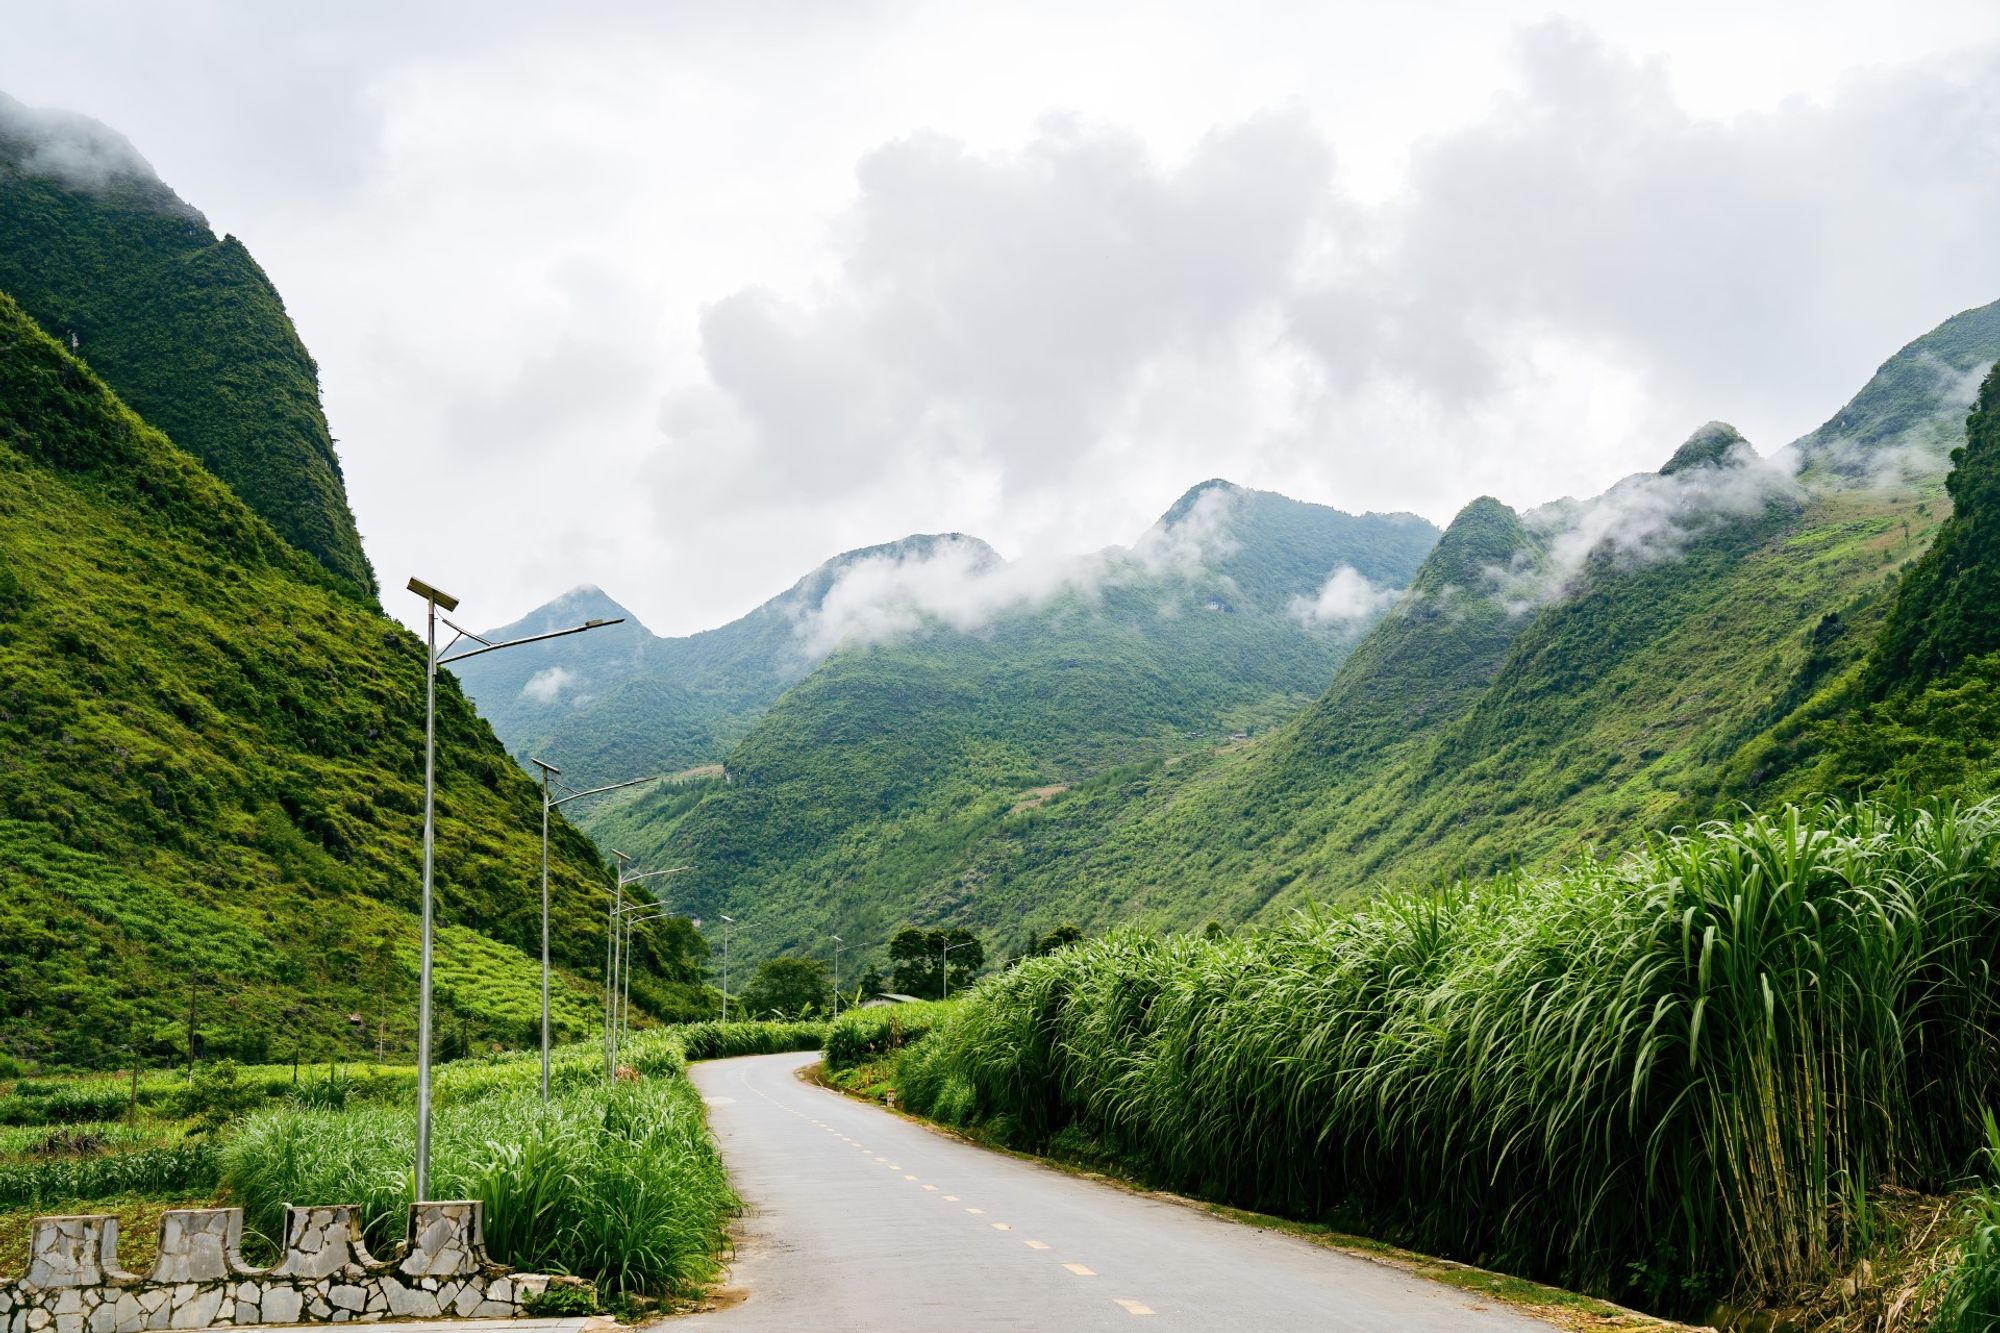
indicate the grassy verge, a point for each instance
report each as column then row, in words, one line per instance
column 620, row 1185
column 1679, row 1076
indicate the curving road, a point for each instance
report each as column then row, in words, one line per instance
column 860, row 1220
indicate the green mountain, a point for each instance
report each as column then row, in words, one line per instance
column 1550, row 681
column 184, row 327
column 627, row 702
column 880, row 766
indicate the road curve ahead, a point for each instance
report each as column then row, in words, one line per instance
column 860, row 1220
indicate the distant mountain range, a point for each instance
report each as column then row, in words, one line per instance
column 1537, row 684
column 1220, row 593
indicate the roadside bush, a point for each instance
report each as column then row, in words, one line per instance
column 1653, row 1078
column 620, row 1185
column 860, row 1035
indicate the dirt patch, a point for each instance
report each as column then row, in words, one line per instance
column 1037, row 796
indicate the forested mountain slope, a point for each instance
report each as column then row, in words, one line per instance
column 1552, row 680
column 184, row 327
column 626, row 702
column 872, row 768
column 212, row 753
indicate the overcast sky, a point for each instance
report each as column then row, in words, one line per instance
column 680, row 299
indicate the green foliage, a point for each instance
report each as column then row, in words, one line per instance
column 1655, row 1077
column 1948, row 608
column 189, row 331
column 561, row 1300
column 621, row 1186
column 62, row 1104
column 929, row 963
column 215, row 1095
column 861, row 1035
column 788, row 987
column 178, row 1171
column 1971, row 1301
column 213, row 769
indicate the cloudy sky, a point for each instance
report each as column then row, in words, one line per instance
column 679, row 299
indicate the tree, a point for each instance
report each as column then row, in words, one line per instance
column 872, row 982
column 1061, row 937
column 788, row 988
column 918, row 957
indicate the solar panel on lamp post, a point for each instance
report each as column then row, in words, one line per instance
column 549, row 802
column 434, row 599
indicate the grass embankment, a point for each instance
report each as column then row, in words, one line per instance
column 621, row 1186
column 1665, row 1079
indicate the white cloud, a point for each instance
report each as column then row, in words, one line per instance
column 1348, row 598
column 1644, row 520
column 959, row 584
column 547, row 685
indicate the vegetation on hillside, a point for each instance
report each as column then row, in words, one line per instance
column 186, row 328
column 1665, row 1078
column 213, row 761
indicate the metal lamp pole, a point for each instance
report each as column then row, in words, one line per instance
column 613, row 953
column 727, row 922
column 549, row 802
column 434, row 599
column 632, row 923
column 838, row 945
column 947, row 967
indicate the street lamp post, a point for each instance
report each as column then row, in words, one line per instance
column 613, row 953
column 727, row 922
column 632, row 923
column 549, row 802
column 433, row 659
column 838, row 945
column 947, row 967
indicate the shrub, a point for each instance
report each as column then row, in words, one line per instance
column 860, row 1035
column 180, row 1170
column 63, row 1103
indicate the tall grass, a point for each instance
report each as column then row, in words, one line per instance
column 867, row 1034
column 1657, row 1078
column 621, row 1185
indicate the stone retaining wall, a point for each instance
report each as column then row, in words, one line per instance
column 74, row 1283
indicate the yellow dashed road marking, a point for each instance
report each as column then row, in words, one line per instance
column 1079, row 1270
column 951, row 1198
column 1038, row 1245
column 1133, row 1307
column 1001, row 1226
column 909, row 1177
column 930, row 1187
column 975, row 1211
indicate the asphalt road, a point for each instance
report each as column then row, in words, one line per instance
column 860, row 1220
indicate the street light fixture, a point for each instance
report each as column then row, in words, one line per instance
column 632, row 923
column 434, row 599
column 549, row 802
